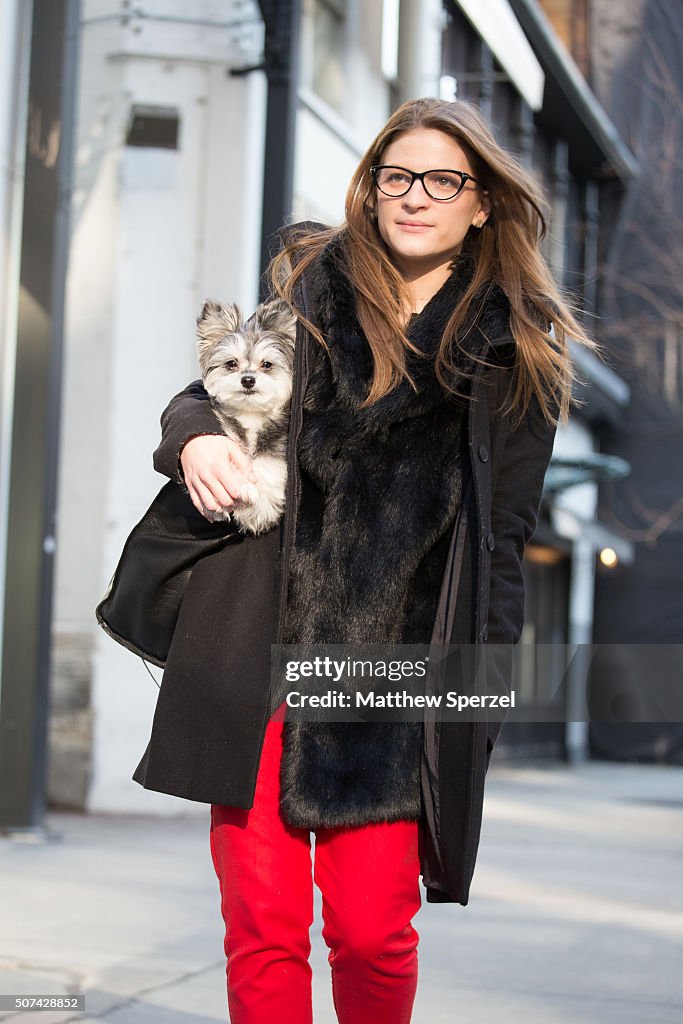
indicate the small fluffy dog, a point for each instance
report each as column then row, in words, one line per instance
column 247, row 371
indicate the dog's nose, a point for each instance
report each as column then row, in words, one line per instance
column 248, row 381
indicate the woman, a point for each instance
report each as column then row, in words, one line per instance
column 427, row 391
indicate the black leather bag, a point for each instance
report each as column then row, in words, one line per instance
column 141, row 606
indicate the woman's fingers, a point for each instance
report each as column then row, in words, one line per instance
column 223, row 488
column 206, row 502
column 216, row 472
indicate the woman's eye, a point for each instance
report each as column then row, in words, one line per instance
column 396, row 178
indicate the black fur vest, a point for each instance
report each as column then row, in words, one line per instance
column 380, row 490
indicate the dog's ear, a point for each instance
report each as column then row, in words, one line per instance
column 276, row 316
column 214, row 323
column 214, row 315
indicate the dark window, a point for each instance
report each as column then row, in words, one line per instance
column 153, row 127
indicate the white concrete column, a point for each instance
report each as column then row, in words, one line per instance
column 581, row 601
column 419, row 49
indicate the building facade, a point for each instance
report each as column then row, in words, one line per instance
column 639, row 621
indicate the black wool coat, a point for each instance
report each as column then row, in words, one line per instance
column 214, row 701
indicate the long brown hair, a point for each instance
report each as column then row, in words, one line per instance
column 506, row 252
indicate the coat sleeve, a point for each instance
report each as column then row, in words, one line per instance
column 188, row 414
column 514, row 513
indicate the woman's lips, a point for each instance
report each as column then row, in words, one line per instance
column 412, row 227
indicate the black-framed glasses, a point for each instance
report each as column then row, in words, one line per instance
column 439, row 185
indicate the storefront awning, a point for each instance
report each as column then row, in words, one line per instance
column 590, row 467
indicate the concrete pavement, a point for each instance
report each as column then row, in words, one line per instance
column 575, row 917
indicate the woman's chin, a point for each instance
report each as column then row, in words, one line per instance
column 409, row 259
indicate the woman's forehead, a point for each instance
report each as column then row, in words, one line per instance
column 428, row 148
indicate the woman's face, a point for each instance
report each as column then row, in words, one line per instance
column 422, row 233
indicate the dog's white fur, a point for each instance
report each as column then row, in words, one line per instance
column 247, row 372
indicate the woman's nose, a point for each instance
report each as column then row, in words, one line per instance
column 416, row 195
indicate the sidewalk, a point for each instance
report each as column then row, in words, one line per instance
column 575, row 916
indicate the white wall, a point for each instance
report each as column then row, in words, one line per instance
column 154, row 232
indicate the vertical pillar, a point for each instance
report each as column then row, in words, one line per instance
column 558, row 227
column 15, row 54
column 421, row 24
column 281, row 57
column 523, row 132
column 581, row 601
column 591, row 216
column 486, row 85
column 32, row 484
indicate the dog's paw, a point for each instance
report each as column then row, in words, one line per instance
column 261, row 516
column 249, row 495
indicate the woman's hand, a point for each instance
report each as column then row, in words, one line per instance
column 217, row 472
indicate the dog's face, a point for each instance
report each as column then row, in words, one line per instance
column 247, row 367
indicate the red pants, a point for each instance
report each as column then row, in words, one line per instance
column 368, row 877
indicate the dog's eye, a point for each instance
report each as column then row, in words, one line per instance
column 231, row 364
column 265, row 365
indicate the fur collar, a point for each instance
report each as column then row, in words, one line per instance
column 334, row 302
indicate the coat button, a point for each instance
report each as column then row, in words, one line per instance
column 490, row 542
column 483, row 453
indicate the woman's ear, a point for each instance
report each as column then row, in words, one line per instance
column 484, row 211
